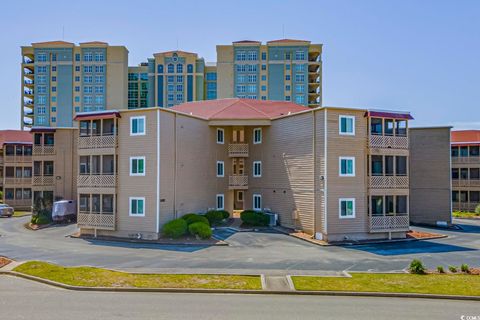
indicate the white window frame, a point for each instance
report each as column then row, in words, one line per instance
column 340, row 117
column 255, row 163
column 223, row 169
column 340, row 167
column 340, row 208
column 130, row 207
column 254, row 136
column 223, row 136
column 220, row 195
column 144, row 126
column 131, row 167
column 256, row 195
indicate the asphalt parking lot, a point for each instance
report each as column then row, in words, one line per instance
column 248, row 252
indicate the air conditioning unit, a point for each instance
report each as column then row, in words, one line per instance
column 273, row 218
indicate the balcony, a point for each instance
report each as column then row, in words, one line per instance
column 43, row 150
column 19, row 203
column 97, row 181
column 96, row 220
column 465, row 206
column 18, row 159
column 94, row 142
column 238, row 150
column 388, row 182
column 466, row 160
column 18, row 181
column 238, row 182
column 43, row 181
column 389, row 223
column 465, row 183
column 388, row 142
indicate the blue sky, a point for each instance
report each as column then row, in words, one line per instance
column 416, row 55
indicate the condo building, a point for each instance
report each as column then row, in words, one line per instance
column 16, row 168
column 138, row 86
column 60, row 79
column 465, row 148
column 335, row 173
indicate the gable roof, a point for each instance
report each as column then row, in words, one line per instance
column 465, row 137
column 239, row 109
column 20, row 136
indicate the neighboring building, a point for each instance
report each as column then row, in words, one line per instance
column 430, row 178
column 280, row 70
column 175, row 77
column 210, row 81
column 138, row 86
column 141, row 168
column 465, row 148
column 54, row 163
column 60, row 79
column 16, row 168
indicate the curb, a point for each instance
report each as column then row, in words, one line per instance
column 220, row 243
column 235, row 291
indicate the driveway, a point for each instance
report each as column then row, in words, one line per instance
column 248, row 252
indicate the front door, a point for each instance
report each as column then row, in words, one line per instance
column 239, row 198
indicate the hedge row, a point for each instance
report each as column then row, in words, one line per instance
column 254, row 218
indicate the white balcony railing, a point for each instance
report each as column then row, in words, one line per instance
column 43, row 181
column 40, row 150
column 389, row 182
column 389, row 223
column 237, row 150
column 238, row 182
column 93, row 142
column 92, row 220
column 97, row 181
column 388, row 142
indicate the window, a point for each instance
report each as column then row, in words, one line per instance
column 137, row 166
column 77, row 56
column 389, row 124
column 88, row 69
column 252, row 55
column 257, row 135
column 401, row 127
column 137, row 126
column 264, row 77
column 287, row 98
column 474, row 173
column 137, row 207
column 54, row 69
column 88, row 56
column 300, row 55
column 346, row 125
column 474, row 151
column 299, row 77
column 54, row 119
column 464, row 151
column 347, row 166
column 377, row 205
column 88, row 79
column 180, row 79
column 257, row 169
column 401, row 204
column 464, row 173
column 241, row 56
column 54, row 89
column 42, row 57
column 170, row 68
column 99, row 69
column 179, row 68
column 300, row 99
column 287, row 77
column 389, row 165
column 346, row 208
column 211, row 76
column 99, row 56
column 54, row 79
column 257, row 202
column 264, row 67
column 376, row 126
column 455, row 173
column 401, row 165
column 264, row 56
column 287, row 88
column 377, row 165
column 299, row 68
column 77, row 68
column 220, row 136
column 220, row 202
column 300, row 88
column 220, row 169
column 287, row 67
column 190, row 68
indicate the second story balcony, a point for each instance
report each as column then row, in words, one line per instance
column 238, row 150
column 97, row 181
column 466, row 183
column 47, row 180
column 238, row 182
column 97, row 141
column 389, row 182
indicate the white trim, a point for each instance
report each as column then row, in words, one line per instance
column 223, row 169
column 158, row 170
column 340, row 208
column 130, row 214
column 255, row 195
column 131, row 167
column 223, row 135
column 340, row 167
column 261, row 135
column 220, row 195
column 257, row 175
column 340, row 117
column 144, row 126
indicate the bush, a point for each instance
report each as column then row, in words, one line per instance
column 216, row 216
column 417, row 267
column 175, row 228
column 440, row 269
column 452, row 269
column 193, row 217
column 465, row 268
column 42, row 219
column 33, row 220
column 254, row 218
column 200, row 229
column 477, row 209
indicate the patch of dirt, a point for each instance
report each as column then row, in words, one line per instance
column 4, row 261
column 422, row 235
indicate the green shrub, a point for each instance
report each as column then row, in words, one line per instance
column 477, row 209
column 225, row 214
column 452, row 269
column 254, row 218
column 33, row 220
column 417, row 267
column 465, row 268
column 192, row 218
column 43, row 219
column 440, row 269
column 175, row 228
column 200, row 229
column 216, row 216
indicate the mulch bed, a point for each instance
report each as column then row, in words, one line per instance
column 423, row 235
column 4, row 261
column 36, row 227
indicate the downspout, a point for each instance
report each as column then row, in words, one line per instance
column 325, row 177
column 314, row 175
column 158, row 171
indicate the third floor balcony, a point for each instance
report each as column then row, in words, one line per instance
column 238, row 150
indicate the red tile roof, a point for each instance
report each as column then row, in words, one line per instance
column 175, row 51
column 58, row 42
column 465, row 136
column 15, row 136
column 239, row 109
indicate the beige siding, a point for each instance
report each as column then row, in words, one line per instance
column 430, row 173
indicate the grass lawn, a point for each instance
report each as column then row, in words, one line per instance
column 96, row 277
column 21, row 213
column 450, row 284
column 462, row 214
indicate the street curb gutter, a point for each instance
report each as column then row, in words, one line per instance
column 234, row 291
